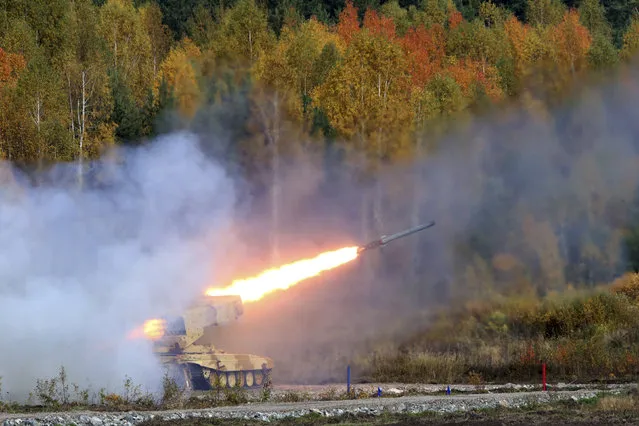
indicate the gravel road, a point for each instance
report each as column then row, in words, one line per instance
column 317, row 391
column 276, row 411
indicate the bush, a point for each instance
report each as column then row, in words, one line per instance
column 628, row 285
column 591, row 336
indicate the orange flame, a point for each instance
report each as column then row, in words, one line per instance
column 151, row 329
column 254, row 288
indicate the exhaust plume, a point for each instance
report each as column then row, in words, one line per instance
column 80, row 269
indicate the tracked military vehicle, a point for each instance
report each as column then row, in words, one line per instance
column 197, row 366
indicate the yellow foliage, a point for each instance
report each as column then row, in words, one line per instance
column 243, row 33
column 275, row 74
column 628, row 285
column 190, row 48
column 631, row 40
column 529, row 45
column 367, row 96
column 180, row 74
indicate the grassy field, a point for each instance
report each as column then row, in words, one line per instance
column 582, row 336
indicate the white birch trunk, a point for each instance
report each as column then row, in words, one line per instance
column 82, row 124
column 36, row 116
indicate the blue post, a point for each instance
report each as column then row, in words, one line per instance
column 448, row 390
column 348, row 379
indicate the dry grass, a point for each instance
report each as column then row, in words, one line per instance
column 618, row 403
column 58, row 394
column 579, row 335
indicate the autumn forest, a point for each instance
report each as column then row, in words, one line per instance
column 501, row 116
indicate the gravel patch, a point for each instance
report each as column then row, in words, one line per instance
column 277, row 411
column 390, row 389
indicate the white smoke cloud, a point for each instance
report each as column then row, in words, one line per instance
column 80, row 269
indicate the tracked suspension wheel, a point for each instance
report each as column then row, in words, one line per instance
column 203, row 378
column 249, row 379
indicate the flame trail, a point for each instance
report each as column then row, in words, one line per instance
column 151, row 329
column 254, row 288
column 283, row 277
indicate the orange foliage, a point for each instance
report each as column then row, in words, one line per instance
column 425, row 49
column 379, row 25
column 468, row 72
column 517, row 34
column 463, row 73
column 10, row 66
column 348, row 24
column 572, row 41
column 454, row 19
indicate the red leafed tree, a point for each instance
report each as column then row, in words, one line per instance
column 10, row 65
column 425, row 49
column 454, row 19
column 468, row 72
column 379, row 25
column 348, row 24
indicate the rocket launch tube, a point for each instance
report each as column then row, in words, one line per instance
column 387, row 239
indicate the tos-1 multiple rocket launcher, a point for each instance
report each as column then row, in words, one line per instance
column 202, row 366
column 387, row 239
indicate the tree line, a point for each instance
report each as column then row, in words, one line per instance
column 377, row 81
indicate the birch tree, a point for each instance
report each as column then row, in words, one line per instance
column 179, row 71
column 41, row 92
column 159, row 34
column 243, row 33
column 128, row 45
column 89, row 94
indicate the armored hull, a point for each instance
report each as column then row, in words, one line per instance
column 197, row 366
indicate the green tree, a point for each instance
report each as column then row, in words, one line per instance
column 126, row 114
column 592, row 15
column 201, row 27
column 243, row 33
column 49, row 21
column 129, row 46
column 159, row 34
column 544, row 12
column 41, row 95
column 19, row 37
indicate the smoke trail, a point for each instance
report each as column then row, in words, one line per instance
column 80, row 269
